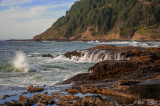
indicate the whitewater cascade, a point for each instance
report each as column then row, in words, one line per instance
column 98, row 55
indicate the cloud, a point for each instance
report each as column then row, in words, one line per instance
column 27, row 12
column 32, row 22
column 19, row 20
column 25, row 30
column 14, row 2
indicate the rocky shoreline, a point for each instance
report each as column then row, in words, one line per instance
column 125, row 76
column 68, row 40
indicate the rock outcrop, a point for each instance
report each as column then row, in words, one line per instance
column 109, row 82
column 7, row 96
column 110, row 52
column 48, row 55
column 32, row 89
column 131, row 62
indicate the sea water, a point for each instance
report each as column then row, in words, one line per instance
column 22, row 64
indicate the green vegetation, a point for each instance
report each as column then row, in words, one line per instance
column 106, row 15
column 155, row 36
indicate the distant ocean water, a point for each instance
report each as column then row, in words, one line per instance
column 22, row 64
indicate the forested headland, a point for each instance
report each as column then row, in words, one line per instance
column 107, row 20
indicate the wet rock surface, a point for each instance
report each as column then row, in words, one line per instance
column 41, row 99
column 113, row 82
column 24, row 93
column 110, row 52
column 48, row 55
column 32, row 89
column 140, row 64
column 95, row 89
column 139, row 69
column 127, row 82
column 117, row 62
column 7, row 96
column 76, row 78
column 92, row 94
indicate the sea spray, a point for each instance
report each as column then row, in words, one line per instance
column 20, row 62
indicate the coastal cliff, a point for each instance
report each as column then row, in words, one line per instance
column 107, row 20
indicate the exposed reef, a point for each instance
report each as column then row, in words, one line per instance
column 123, row 79
column 110, row 52
column 118, row 62
column 32, row 89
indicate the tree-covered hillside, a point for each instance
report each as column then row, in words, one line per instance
column 100, row 19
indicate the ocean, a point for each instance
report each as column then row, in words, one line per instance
column 22, row 64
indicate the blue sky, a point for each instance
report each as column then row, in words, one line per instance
column 23, row 19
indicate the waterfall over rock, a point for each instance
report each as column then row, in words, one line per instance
column 96, row 55
column 107, row 52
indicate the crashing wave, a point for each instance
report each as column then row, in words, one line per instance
column 95, row 55
column 20, row 62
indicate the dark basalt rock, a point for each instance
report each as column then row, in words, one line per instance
column 78, row 77
column 109, row 78
column 123, row 69
column 45, row 93
column 23, row 99
column 73, row 90
column 11, row 104
column 114, row 53
column 141, row 63
column 41, row 104
column 41, row 99
column 96, row 101
column 70, row 100
column 32, row 89
column 48, row 55
column 74, row 53
column 87, row 89
column 111, row 66
column 128, row 82
column 38, row 98
column 104, row 47
column 24, row 93
column 7, row 96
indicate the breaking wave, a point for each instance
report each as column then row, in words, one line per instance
column 128, row 43
column 21, row 63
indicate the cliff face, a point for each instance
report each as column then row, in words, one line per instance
column 107, row 20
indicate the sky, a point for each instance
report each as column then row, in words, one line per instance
column 23, row 19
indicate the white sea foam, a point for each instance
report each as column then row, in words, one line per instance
column 57, row 59
column 89, row 57
column 111, row 42
column 141, row 44
column 93, row 41
column 48, row 41
column 98, row 56
column 127, row 43
column 54, row 70
column 117, row 42
column 20, row 62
